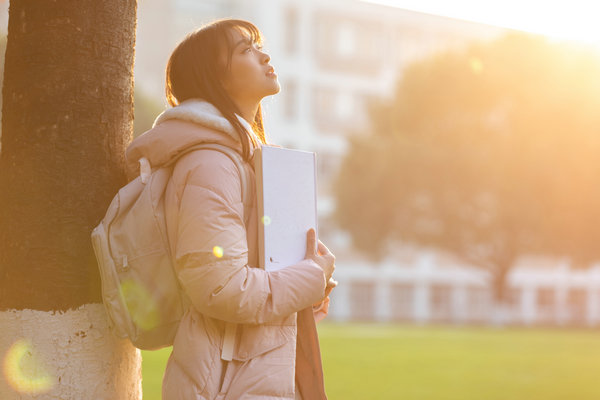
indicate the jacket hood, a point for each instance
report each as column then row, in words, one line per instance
column 190, row 123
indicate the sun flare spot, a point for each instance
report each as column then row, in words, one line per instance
column 218, row 251
column 140, row 303
column 24, row 370
column 476, row 65
column 266, row 220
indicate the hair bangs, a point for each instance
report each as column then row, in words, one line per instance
column 246, row 28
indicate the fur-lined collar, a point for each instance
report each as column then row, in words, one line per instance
column 192, row 122
column 200, row 112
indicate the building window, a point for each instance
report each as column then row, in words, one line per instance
column 338, row 111
column 577, row 306
column 479, row 300
column 441, row 302
column 291, row 30
column 324, row 107
column 344, row 105
column 546, row 304
column 349, row 44
column 327, row 163
column 513, row 298
column 402, row 300
column 290, row 103
column 362, row 300
column 345, row 40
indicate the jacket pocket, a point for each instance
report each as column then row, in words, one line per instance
column 196, row 352
column 256, row 340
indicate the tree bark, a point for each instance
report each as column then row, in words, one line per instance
column 67, row 118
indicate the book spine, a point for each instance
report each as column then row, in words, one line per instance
column 260, row 203
column 316, row 190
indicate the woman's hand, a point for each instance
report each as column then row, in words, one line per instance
column 320, row 254
column 321, row 308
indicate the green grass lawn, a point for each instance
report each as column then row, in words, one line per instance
column 369, row 361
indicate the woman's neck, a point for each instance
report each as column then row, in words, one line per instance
column 248, row 111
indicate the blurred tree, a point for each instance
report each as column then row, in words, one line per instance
column 488, row 153
column 146, row 109
column 67, row 118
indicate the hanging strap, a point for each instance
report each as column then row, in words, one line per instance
column 228, row 341
column 145, row 169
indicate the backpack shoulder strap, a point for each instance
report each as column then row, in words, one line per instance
column 242, row 166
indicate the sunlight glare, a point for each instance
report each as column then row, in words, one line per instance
column 218, row 251
column 476, row 65
column 141, row 304
column 575, row 20
column 24, row 370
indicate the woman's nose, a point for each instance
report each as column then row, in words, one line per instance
column 265, row 57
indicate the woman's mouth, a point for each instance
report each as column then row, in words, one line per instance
column 271, row 73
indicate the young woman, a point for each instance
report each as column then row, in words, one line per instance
column 215, row 80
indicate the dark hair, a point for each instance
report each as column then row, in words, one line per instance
column 194, row 71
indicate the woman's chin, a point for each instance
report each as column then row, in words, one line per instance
column 276, row 88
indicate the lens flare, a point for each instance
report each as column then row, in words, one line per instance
column 140, row 303
column 266, row 220
column 218, row 251
column 476, row 65
column 24, row 371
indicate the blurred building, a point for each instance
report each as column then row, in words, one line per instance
column 3, row 17
column 428, row 287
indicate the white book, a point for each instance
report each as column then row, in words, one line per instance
column 286, row 187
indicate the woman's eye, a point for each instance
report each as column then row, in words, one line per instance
column 255, row 46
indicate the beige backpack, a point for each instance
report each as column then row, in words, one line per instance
column 140, row 290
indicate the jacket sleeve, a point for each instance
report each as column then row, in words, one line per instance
column 212, row 254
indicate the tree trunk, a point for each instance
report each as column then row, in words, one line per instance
column 501, row 310
column 66, row 120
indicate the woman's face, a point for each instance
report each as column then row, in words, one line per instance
column 250, row 78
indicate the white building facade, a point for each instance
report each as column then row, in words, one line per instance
column 333, row 58
column 429, row 289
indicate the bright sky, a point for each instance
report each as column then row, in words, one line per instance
column 572, row 20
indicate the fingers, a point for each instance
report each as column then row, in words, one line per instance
column 317, row 251
column 310, row 243
column 323, row 250
column 328, row 290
